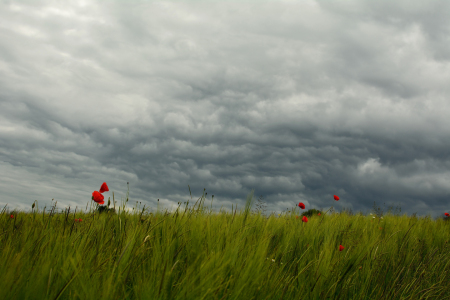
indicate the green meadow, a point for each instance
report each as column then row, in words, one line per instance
column 195, row 253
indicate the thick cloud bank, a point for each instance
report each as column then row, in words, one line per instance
column 298, row 101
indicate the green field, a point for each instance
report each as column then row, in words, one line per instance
column 193, row 253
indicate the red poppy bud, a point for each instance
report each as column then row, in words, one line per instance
column 301, row 205
column 104, row 188
column 336, row 198
column 341, row 247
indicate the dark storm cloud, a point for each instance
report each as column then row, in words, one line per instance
column 297, row 101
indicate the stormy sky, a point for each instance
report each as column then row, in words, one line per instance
column 296, row 100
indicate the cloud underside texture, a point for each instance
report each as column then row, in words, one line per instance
column 297, row 101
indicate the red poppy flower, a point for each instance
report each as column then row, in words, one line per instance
column 305, row 219
column 76, row 220
column 447, row 214
column 104, row 188
column 336, row 197
column 79, row 220
column 97, row 197
column 318, row 214
column 341, row 247
column 301, row 205
column 12, row 217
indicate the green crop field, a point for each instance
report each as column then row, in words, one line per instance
column 194, row 253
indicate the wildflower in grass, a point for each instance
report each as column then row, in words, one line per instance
column 381, row 228
column 336, row 197
column 341, row 247
column 318, row 214
column 305, row 219
column 79, row 220
column 97, row 197
column 273, row 260
column 447, row 215
column 296, row 217
column 12, row 216
column 104, row 188
column 301, row 205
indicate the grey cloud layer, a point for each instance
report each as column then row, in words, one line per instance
column 298, row 102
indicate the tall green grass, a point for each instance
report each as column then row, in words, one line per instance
column 193, row 253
